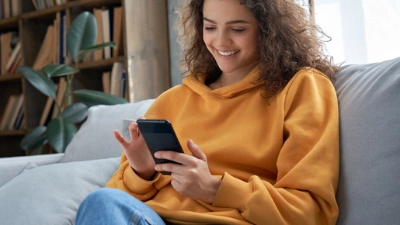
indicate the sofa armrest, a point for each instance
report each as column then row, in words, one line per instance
column 12, row 166
column 368, row 191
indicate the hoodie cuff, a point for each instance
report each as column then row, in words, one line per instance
column 136, row 184
column 232, row 193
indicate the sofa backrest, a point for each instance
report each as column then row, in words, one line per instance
column 369, row 105
column 95, row 138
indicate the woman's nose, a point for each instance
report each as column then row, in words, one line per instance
column 223, row 38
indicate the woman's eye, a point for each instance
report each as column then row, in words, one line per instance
column 209, row 28
column 238, row 30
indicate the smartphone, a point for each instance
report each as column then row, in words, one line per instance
column 159, row 135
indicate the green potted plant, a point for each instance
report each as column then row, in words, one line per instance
column 81, row 38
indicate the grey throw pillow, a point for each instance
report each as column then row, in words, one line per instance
column 51, row 194
column 95, row 138
column 369, row 103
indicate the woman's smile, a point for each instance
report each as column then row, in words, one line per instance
column 228, row 53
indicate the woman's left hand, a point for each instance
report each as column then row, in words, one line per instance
column 192, row 178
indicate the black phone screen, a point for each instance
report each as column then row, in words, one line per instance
column 159, row 135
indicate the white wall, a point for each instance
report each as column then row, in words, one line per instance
column 362, row 31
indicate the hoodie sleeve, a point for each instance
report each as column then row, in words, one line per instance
column 127, row 180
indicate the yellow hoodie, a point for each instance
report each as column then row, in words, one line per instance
column 277, row 158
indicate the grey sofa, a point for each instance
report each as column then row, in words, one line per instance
column 48, row 189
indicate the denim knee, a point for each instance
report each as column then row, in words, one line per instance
column 113, row 206
column 103, row 196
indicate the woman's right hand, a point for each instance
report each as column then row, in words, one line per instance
column 139, row 157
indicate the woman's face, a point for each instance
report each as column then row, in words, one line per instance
column 230, row 34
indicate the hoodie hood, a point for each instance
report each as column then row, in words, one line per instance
column 197, row 84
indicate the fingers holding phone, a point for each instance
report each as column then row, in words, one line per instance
column 192, row 177
column 135, row 149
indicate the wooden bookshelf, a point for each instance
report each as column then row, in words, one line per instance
column 147, row 63
column 10, row 77
column 8, row 23
column 105, row 63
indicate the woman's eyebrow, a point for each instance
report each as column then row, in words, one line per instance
column 229, row 22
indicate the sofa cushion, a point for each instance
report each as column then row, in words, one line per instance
column 95, row 138
column 369, row 104
column 12, row 166
column 51, row 194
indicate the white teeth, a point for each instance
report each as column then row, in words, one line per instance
column 228, row 53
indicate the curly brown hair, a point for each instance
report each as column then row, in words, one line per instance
column 288, row 41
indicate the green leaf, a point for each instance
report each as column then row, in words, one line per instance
column 34, row 139
column 39, row 81
column 58, row 70
column 91, row 97
column 85, row 52
column 82, row 34
column 60, row 133
column 75, row 113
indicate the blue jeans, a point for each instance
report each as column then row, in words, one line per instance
column 112, row 206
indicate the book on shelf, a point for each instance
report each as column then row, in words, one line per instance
column 18, row 105
column 106, row 78
column 117, row 32
column 109, row 27
column 43, row 4
column 17, row 62
column 54, row 45
column 36, row 4
column 105, row 19
column 6, row 8
column 60, row 2
column 60, row 37
column 6, row 49
column 9, row 110
column 117, row 80
column 46, row 54
column 50, row 3
column 56, row 24
column 63, row 38
column 16, row 7
column 18, row 125
column 0, row 52
column 14, row 56
column 47, row 110
column 125, row 89
column 10, row 8
column 64, row 35
column 98, row 55
column 62, row 86
column 1, row 9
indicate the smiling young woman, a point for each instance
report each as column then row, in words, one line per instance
column 257, row 118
